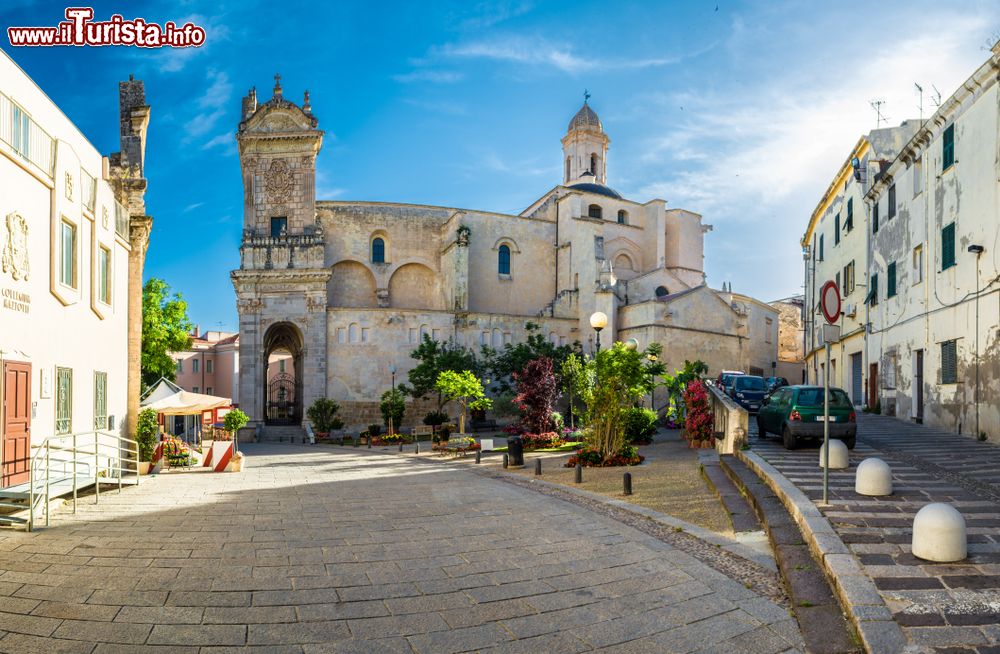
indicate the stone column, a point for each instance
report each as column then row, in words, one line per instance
column 251, row 374
column 139, row 228
column 315, row 351
column 461, row 290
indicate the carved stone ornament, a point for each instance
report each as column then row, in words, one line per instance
column 249, row 305
column 278, row 181
column 69, row 185
column 15, row 252
column 104, row 217
column 314, row 304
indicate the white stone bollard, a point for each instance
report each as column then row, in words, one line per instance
column 873, row 478
column 838, row 455
column 939, row 534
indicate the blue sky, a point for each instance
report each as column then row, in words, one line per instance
column 739, row 111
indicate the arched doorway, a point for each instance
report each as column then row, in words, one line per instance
column 282, row 382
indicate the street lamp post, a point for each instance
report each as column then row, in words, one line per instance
column 598, row 321
column 652, row 358
column 392, row 401
column 978, row 251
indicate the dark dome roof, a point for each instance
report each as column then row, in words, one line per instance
column 600, row 189
column 585, row 118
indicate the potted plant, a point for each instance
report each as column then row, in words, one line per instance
column 323, row 416
column 234, row 421
column 146, row 432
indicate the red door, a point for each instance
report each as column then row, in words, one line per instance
column 16, row 423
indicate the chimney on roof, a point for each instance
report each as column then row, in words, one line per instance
column 197, row 331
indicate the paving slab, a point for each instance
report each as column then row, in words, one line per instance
column 328, row 549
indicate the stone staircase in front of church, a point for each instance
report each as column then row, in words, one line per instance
column 281, row 434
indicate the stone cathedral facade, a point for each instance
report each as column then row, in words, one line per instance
column 350, row 288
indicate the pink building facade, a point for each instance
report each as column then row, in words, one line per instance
column 211, row 365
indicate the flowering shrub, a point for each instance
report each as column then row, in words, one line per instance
column 699, row 423
column 541, row 441
column 390, row 439
column 177, row 453
column 640, row 425
column 589, row 457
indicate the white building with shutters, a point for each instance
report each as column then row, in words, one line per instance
column 65, row 255
column 929, row 210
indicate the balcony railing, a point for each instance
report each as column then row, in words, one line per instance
column 23, row 137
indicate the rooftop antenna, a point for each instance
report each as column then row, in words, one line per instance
column 936, row 96
column 879, row 118
column 920, row 105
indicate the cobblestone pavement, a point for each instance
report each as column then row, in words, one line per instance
column 333, row 550
column 948, row 608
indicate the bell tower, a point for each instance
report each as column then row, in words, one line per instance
column 278, row 143
column 585, row 148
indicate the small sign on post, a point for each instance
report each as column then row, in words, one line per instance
column 829, row 303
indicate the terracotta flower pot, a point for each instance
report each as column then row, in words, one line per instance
column 144, row 467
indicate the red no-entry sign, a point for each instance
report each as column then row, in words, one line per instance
column 829, row 302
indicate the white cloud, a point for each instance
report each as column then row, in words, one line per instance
column 488, row 14
column 215, row 100
column 439, row 106
column 754, row 157
column 226, row 141
column 193, row 206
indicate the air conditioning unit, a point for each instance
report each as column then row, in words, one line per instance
column 851, row 310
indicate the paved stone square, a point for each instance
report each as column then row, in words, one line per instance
column 945, row 607
column 316, row 549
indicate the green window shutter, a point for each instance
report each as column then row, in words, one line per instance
column 891, row 280
column 949, row 362
column 872, row 297
column 875, row 218
column 948, row 147
column 64, row 400
column 948, row 246
column 836, row 229
column 891, row 211
column 850, row 215
column 820, row 247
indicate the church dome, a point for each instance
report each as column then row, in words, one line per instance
column 584, row 118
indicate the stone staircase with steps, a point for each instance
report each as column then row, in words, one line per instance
column 282, row 433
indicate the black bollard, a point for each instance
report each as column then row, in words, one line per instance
column 478, row 456
column 627, row 481
column 578, row 476
column 505, row 459
column 538, row 467
column 369, row 441
column 416, row 447
column 400, row 446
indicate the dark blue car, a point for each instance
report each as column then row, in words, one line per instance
column 748, row 391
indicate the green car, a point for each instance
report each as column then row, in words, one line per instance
column 796, row 412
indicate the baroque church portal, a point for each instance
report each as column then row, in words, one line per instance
column 348, row 289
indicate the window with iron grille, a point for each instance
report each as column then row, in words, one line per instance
column 100, row 400
column 949, row 362
column 64, row 400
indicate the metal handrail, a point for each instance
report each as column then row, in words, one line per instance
column 87, row 448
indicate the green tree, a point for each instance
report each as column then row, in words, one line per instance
column 573, row 382
column 464, row 387
column 146, row 432
column 503, row 362
column 436, row 357
column 165, row 329
column 621, row 377
column 393, row 407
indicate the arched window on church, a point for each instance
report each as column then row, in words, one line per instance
column 622, row 217
column 503, row 260
column 378, row 250
column 594, row 211
column 593, row 163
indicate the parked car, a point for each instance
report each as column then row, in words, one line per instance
column 774, row 383
column 748, row 391
column 796, row 413
column 722, row 381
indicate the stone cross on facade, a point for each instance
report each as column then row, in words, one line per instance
column 277, row 85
